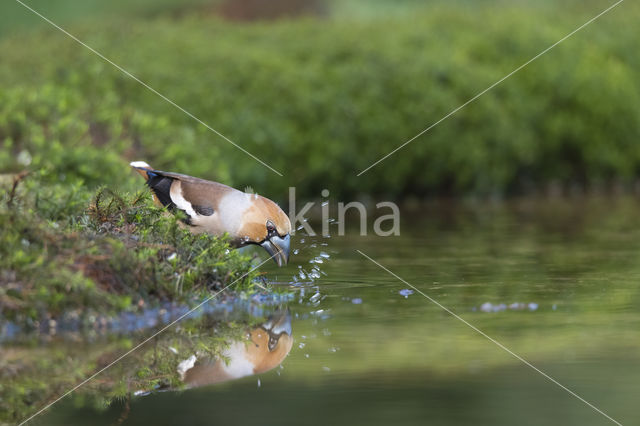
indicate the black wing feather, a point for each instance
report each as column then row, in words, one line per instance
column 161, row 187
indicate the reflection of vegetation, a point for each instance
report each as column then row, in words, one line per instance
column 32, row 375
column 578, row 259
column 305, row 93
column 120, row 254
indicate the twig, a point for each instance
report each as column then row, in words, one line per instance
column 16, row 181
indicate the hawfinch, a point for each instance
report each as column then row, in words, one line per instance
column 217, row 209
column 267, row 347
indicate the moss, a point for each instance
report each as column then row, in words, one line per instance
column 64, row 249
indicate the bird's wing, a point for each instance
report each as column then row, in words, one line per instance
column 195, row 197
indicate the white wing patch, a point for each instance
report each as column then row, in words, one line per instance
column 176, row 196
column 186, row 365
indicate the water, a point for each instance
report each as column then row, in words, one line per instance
column 556, row 282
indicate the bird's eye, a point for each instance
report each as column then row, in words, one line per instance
column 273, row 342
column 270, row 226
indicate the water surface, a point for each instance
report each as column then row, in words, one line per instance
column 555, row 281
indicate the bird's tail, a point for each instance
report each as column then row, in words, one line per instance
column 141, row 167
column 144, row 169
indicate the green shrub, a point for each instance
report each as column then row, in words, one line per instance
column 321, row 100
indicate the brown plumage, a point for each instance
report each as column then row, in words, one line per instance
column 217, row 209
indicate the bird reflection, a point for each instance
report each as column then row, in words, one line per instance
column 266, row 347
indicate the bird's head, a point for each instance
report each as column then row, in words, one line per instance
column 272, row 342
column 265, row 224
column 266, row 347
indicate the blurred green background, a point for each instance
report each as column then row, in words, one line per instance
column 321, row 89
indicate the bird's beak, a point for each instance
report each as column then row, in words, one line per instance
column 279, row 322
column 278, row 248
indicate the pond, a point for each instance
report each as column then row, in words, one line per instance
column 556, row 282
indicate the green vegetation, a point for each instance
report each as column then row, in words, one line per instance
column 320, row 99
column 15, row 17
column 62, row 254
column 31, row 376
column 306, row 93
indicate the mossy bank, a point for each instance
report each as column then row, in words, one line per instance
column 66, row 248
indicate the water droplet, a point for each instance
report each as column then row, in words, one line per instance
column 406, row 293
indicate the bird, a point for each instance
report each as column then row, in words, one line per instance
column 263, row 348
column 218, row 209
